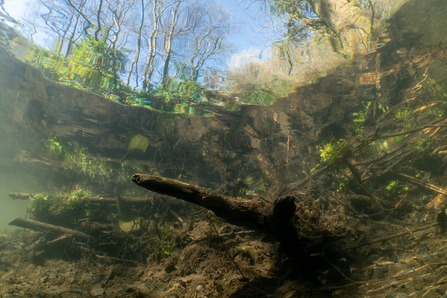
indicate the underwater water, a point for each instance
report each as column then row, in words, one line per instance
column 339, row 105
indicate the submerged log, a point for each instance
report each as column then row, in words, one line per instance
column 98, row 200
column 45, row 227
column 273, row 220
column 19, row 195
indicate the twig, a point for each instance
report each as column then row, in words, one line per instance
column 397, row 205
column 176, row 216
column 45, row 227
column 339, row 271
column 378, row 157
column 226, row 250
column 25, row 259
column 313, row 174
column 389, row 135
column 397, row 162
column 425, row 184
column 394, row 236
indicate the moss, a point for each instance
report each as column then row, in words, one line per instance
column 78, row 159
column 62, row 208
column 335, row 153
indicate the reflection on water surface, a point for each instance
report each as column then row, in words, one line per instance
column 186, row 56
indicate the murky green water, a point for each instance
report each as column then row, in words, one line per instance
column 268, row 98
column 210, row 89
column 339, row 103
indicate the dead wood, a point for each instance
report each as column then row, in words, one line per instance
column 114, row 200
column 44, row 227
column 272, row 220
column 99, row 200
column 313, row 174
column 424, row 184
column 19, row 195
column 395, row 235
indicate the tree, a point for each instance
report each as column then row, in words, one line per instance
column 168, row 36
column 349, row 25
column 156, row 36
column 208, row 38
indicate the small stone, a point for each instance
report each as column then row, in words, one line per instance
column 150, row 282
column 199, row 288
column 97, row 292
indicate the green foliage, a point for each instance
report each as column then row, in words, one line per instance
column 97, row 55
column 435, row 90
column 395, row 188
column 175, row 96
column 335, row 153
column 258, row 97
column 360, row 116
column 392, row 186
column 39, row 207
column 178, row 90
column 424, row 147
column 79, row 160
column 398, row 138
column 62, row 208
column 93, row 65
column 343, row 183
column 162, row 247
column 402, row 114
column 76, row 158
column 56, row 149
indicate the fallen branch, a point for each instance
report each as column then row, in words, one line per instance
column 44, row 227
column 273, row 220
column 395, row 236
column 425, row 184
column 389, row 135
column 313, row 174
column 19, row 195
column 99, row 200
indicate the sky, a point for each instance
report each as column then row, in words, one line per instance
column 15, row 8
column 250, row 43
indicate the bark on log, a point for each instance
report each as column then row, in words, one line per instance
column 99, row 200
column 273, row 220
column 44, row 227
column 19, row 195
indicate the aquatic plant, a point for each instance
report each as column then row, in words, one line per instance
column 163, row 241
column 56, row 149
column 395, row 187
column 60, row 208
column 335, row 153
column 77, row 158
column 424, row 146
